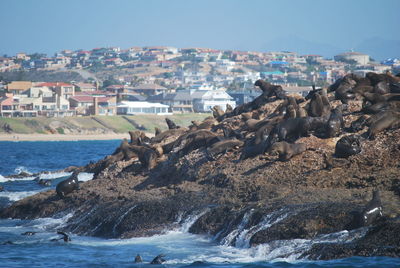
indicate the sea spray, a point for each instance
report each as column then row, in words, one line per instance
column 121, row 218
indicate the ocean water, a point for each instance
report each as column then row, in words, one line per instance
column 181, row 249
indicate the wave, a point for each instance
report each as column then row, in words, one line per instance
column 15, row 196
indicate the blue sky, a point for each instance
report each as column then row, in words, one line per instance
column 304, row 26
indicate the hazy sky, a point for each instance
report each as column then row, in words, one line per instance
column 48, row 26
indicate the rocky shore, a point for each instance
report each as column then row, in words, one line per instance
column 224, row 177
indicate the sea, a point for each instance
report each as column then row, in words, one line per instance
column 179, row 247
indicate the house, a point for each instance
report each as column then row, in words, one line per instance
column 142, row 107
column 204, row 100
column 356, row 57
column 241, row 97
column 112, row 62
column 94, row 105
column 149, row 89
column 180, row 101
column 17, row 87
column 85, row 87
column 64, row 90
column 6, row 105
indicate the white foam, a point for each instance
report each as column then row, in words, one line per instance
column 15, row 196
column 45, row 176
column 84, row 176
column 55, row 175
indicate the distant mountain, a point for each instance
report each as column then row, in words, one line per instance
column 302, row 46
column 379, row 49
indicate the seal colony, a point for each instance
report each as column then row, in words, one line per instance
column 319, row 158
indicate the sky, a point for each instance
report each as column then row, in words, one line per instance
column 303, row 26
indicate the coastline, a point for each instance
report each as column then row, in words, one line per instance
column 61, row 137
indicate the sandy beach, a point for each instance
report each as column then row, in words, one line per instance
column 61, row 137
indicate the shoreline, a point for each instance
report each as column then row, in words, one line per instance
column 61, row 137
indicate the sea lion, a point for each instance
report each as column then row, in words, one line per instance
column 286, row 150
column 147, row 156
column 195, row 140
column 158, row 260
column 373, row 210
column 344, row 91
column 290, row 112
column 1, row 188
column 335, row 123
column 171, row 124
column 67, row 186
column 223, row 147
column 138, row 136
column 229, row 108
column 347, row 146
column 319, row 106
column 382, row 87
column 269, row 89
column 65, row 237
column 157, row 131
column 294, row 128
column 359, row 124
column 138, row 259
column 387, row 120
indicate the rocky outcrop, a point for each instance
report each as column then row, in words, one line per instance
column 252, row 200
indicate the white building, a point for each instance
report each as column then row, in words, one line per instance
column 142, row 107
column 359, row 58
column 204, row 100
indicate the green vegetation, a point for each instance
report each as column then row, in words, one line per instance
column 117, row 123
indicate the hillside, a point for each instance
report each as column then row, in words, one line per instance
column 93, row 124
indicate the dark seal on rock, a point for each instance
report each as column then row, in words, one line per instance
column 347, row 146
column 373, row 209
column 287, row 150
column 67, row 186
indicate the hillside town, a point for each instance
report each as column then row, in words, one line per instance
column 164, row 80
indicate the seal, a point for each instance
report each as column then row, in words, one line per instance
column 158, row 260
column 286, row 150
column 147, row 156
column 294, row 128
column 171, row 124
column 319, row 106
column 347, row 146
column 358, row 124
column 138, row 259
column 1, row 188
column 223, row 147
column 67, row 186
column 335, row 123
column 387, row 120
column 373, row 209
column 64, row 237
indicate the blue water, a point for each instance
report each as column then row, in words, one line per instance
column 181, row 248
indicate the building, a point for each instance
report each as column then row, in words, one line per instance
column 17, row 87
column 359, row 58
column 149, row 89
column 64, row 90
column 142, row 107
column 241, row 97
column 203, row 100
column 94, row 105
column 85, row 87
